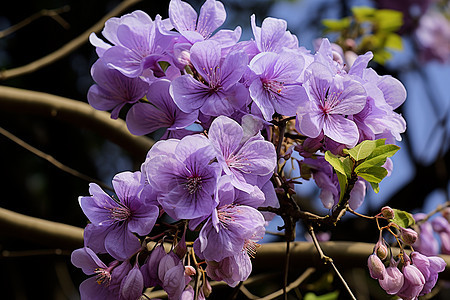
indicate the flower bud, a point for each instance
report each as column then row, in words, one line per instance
column 189, row 271
column 381, row 251
column 388, row 212
column 393, row 279
column 414, row 282
column 376, row 267
column 206, row 288
column 408, row 235
column 440, row 224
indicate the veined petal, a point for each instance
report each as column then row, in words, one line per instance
column 121, row 243
column 341, row 130
column 212, row 16
column 289, row 99
column 225, row 134
column 182, row 15
column 127, row 186
column 145, row 118
column 352, row 96
column 188, row 93
column 232, row 69
column 87, row 260
column 205, row 56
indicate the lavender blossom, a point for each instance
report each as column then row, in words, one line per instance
column 414, row 280
column 272, row 35
column 113, row 90
column 161, row 112
column 120, row 219
column 215, row 90
column 98, row 286
column 239, row 158
column 331, row 99
column 275, row 87
column 185, row 178
column 212, row 16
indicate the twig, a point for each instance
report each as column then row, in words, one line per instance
column 327, row 259
column 67, row 48
column 52, row 13
column 292, row 285
column 439, row 208
column 79, row 113
column 286, row 269
column 52, row 160
column 247, row 293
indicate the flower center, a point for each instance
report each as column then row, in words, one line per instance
column 193, row 184
column 103, row 276
column 225, row 214
column 238, row 162
column 273, row 87
column 251, row 248
column 120, row 213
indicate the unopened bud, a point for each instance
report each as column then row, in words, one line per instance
column 206, row 288
column 382, row 251
column 189, row 271
column 388, row 212
column 408, row 235
column 376, row 267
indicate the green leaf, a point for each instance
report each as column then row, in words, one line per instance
column 394, row 41
column 348, row 166
column 375, row 187
column 337, row 25
column 378, row 157
column 335, row 162
column 403, row 218
column 362, row 150
column 388, row 20
column 343, row 182
column 363, row 13
column 330, row 296
column 374, row 174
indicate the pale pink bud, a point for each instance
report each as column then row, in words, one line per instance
column 408, row 235
column 189, row 271
column 393, row 279
column 376, row 267
column 388, row 212
column 206, row 288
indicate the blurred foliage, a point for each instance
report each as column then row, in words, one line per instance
column 368, row 29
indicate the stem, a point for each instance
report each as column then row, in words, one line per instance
column 359, row 215
column 327, row 259
column 52, row 160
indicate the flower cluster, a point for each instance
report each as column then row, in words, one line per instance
column 219, row 99
column 418, row 273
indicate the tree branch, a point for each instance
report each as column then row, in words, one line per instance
column 48, row 233
column 67, row 48
column 76, row 112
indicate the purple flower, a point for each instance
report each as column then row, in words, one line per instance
column 331, row 100
column 184, row 176
column 172, row 276
column 275, row 88
column 161, row 112
column 241, row 159
column 113, row 90
column 433, row 36
column 132, row 284
column 430, row 267
column 376, row 267
column 393, row 279
column 215, row 90
column 414, row 281
column 98, row 286
column 212, row 16
column 139, row 43
column 230, row 226
column 272, row 35
column 120, row 219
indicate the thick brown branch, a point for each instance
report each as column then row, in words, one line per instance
column 67, row 48
column 76, row 112
column 48, row 233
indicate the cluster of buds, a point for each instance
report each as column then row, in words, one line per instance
column 406, row 276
